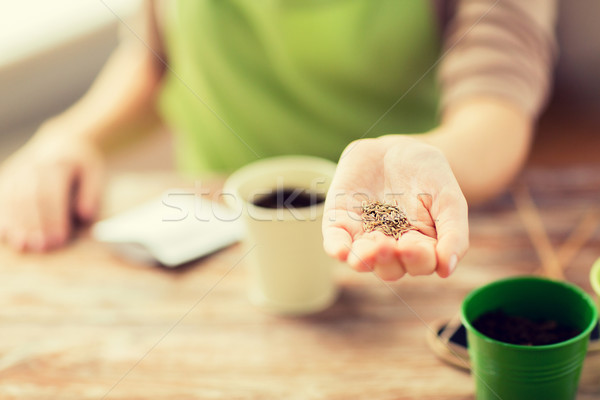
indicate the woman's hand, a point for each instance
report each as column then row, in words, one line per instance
column 418, row 177
column 57, row 177
column 52, row 181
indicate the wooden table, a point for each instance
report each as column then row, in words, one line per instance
column 80, row 323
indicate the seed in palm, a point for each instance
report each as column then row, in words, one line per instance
column 387, row 218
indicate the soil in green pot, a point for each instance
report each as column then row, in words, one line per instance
column 522, row 331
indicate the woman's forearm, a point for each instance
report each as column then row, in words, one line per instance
column 486, row 142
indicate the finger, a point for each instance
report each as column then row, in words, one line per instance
column 7, row 215
column 337, row 242
column 17, row 239
column 53, row 201
column 362, row 255
column 14, row 229
column 417, row 253
column 391, row 272
column 339, row 228
column 453, row 231
column 24, row 228
column 35, row 239
column 367, row 248
column 388, row 266
column 89, row 188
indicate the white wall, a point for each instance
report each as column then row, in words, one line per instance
column 50, row 52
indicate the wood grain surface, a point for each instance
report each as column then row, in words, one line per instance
column 81, row 323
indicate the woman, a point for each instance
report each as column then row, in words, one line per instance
column 240, row 80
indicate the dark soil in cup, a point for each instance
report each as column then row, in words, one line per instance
column 522, row 331
column 289, row 198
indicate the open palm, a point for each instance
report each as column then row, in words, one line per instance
column 418, row 178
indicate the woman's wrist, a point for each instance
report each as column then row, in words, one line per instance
column 485, row 141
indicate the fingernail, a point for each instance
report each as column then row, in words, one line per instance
column 452, row 263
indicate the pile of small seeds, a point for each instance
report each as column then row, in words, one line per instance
column 385, row 217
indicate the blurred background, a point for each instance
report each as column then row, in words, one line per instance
column 50, row 52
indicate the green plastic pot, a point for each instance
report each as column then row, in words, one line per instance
column 505, row 371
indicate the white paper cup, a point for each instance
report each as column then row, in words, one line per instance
column 289, row 272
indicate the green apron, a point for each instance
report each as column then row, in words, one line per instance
column 256, row 78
